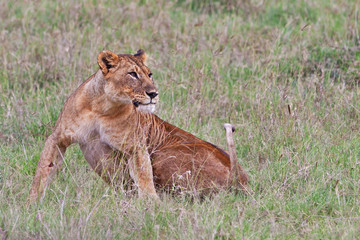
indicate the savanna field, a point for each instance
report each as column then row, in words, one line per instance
column 285, row 73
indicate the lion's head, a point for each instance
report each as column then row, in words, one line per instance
column 128, row 80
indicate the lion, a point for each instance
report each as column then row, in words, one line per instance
column 110, row 116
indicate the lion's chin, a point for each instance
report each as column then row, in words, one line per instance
column 148, row 108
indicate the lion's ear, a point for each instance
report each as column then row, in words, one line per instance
column 106, row 60
column 141, row 55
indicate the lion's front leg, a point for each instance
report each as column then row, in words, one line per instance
column 50, row 161
column 142, row 173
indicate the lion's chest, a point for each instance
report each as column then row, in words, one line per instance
column 84, row 131
column 122, row 135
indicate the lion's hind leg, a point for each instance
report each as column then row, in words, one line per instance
column 191, row 168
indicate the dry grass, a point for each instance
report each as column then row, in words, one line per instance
column 285, row 73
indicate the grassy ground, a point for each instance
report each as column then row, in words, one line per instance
column 285, row 73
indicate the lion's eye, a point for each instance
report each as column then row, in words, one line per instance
column 133, row 74
column 150, row 75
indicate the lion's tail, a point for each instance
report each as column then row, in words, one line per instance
column 238, row 177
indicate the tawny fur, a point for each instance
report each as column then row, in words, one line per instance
column 107, row 116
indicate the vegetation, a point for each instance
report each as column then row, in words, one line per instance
column 285, row 73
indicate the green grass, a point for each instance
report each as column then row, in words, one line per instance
column 285, row 73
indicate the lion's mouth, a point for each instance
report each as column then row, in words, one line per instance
column 137, row 103
column 145, row 107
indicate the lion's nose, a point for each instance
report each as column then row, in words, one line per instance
column 152, row 94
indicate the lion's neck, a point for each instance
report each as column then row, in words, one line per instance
column 105, row 107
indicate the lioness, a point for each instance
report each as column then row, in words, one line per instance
column 111, row 112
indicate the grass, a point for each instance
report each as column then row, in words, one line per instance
column 285, row 73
